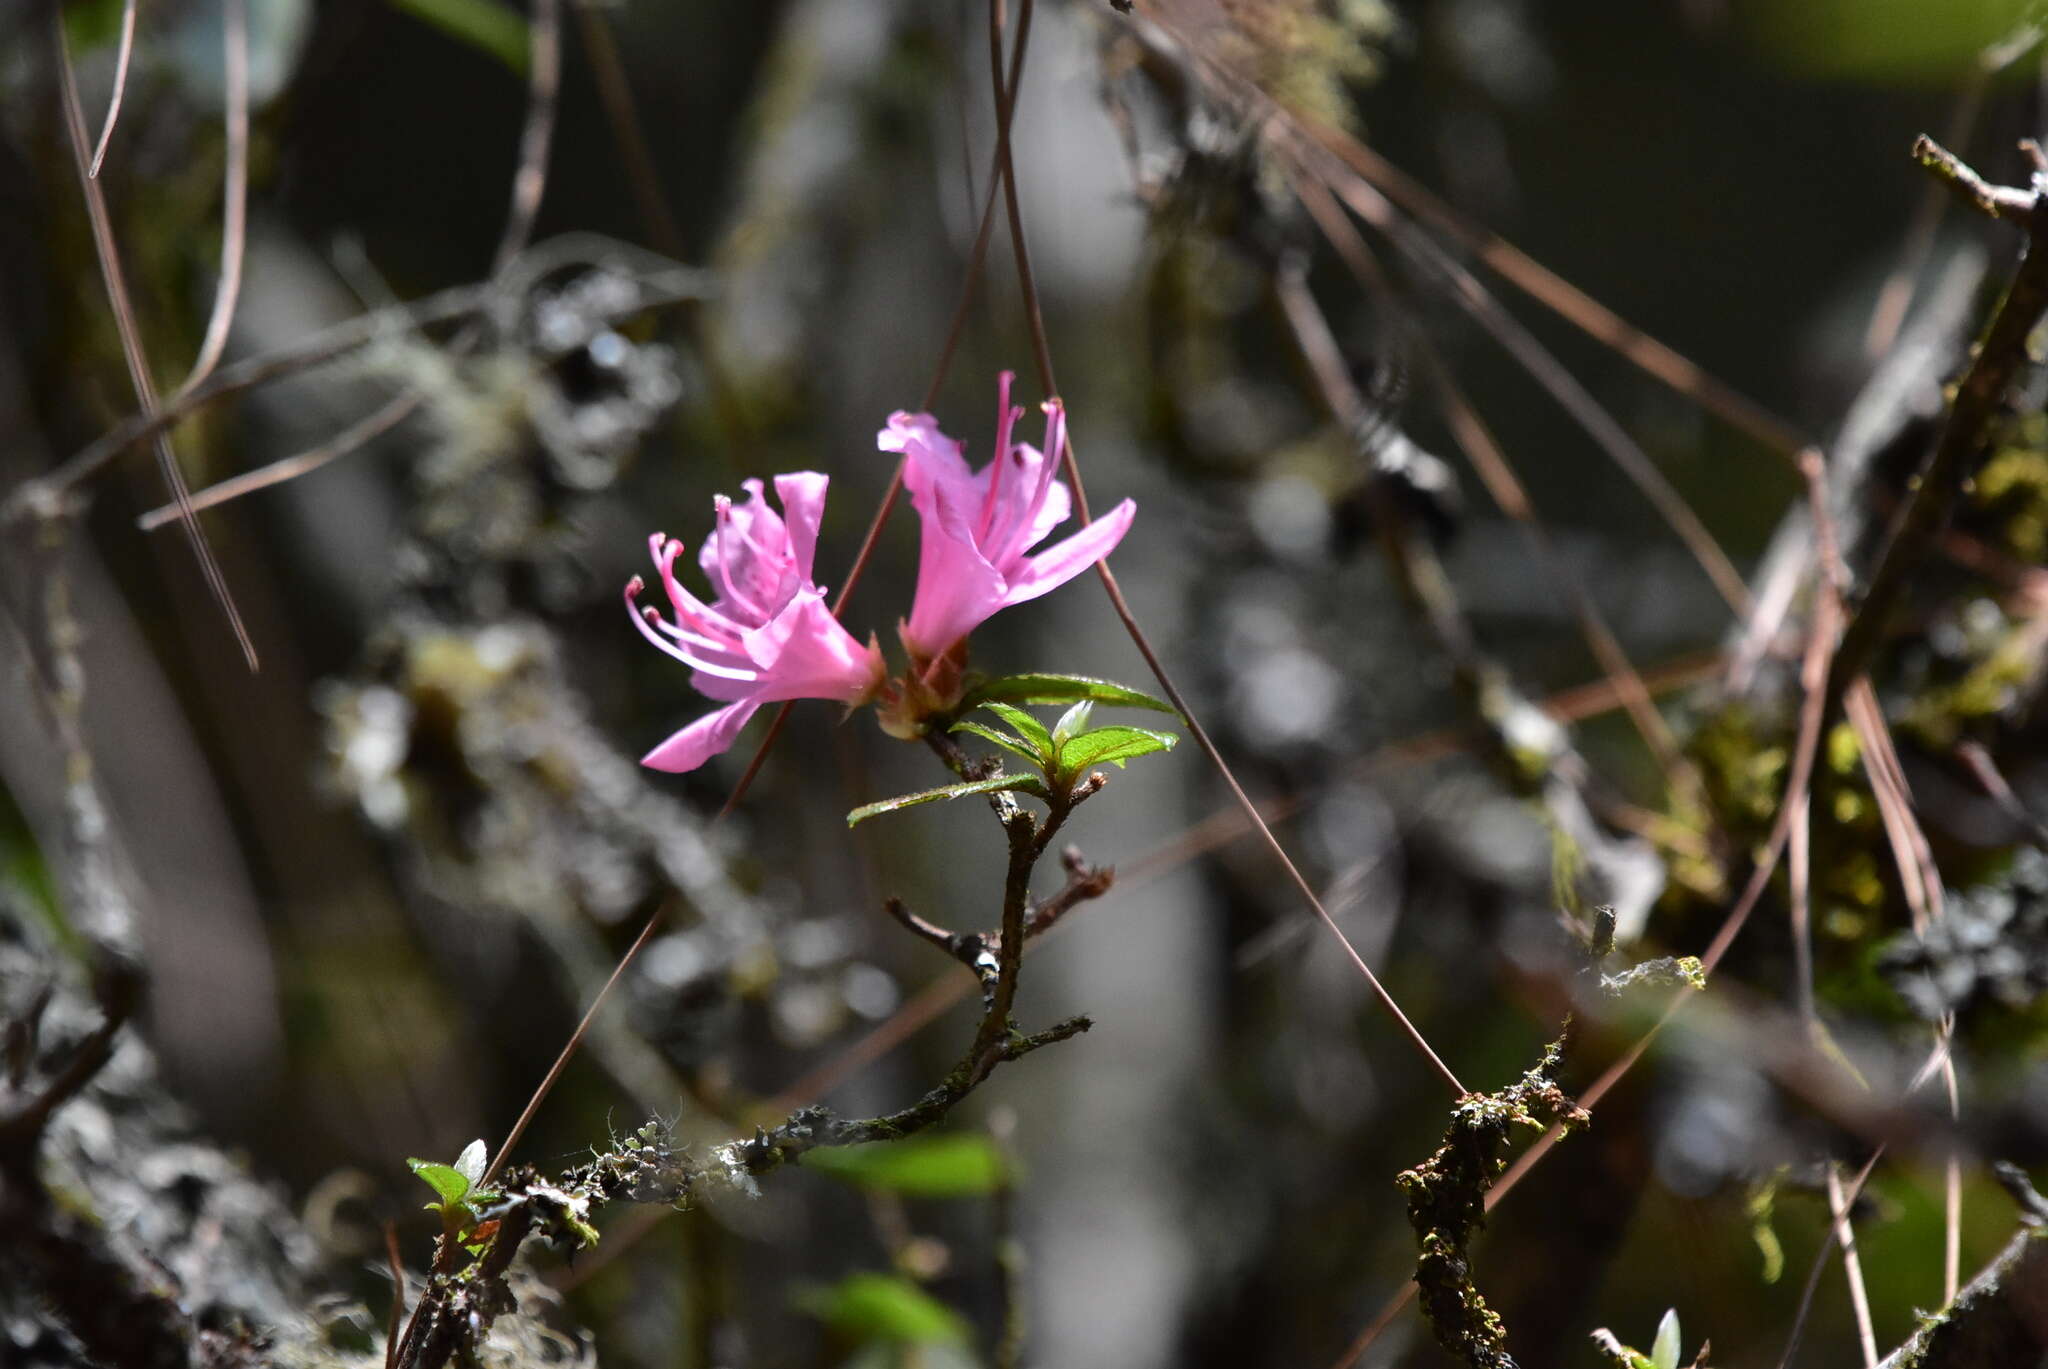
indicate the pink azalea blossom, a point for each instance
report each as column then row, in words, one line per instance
column 767, row 635
column 980, row 526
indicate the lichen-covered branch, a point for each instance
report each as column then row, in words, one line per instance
column 2000, row 357
column 461, row 1300
column 1999, row 1319
column 1447, row 1204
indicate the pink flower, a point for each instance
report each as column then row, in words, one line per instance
column 767, row 636
column 978, row 526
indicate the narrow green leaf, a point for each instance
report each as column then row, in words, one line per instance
column 1028, row 727
column 952, row 1165
column 448, row 1182
column 1111, row 745
column 1062, row 689
column 1000, row 738
column 1072, row 723
column 1028, row 784
column 1664, row 1350
column 883, row 1307
column 485, row 25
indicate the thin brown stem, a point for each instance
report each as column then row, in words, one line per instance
column 1806, row 746
column 1220, row 828
column 1042, row 352
column 131, row 344
column 1490, row 461
column 601, row 47
column 1977, row 397
column 954, row 330
column 544, row 86
column 396, row 1264
column 1836, row 1230
column 646, row 932
column 364, row 430
column 1888, row 310
column 1466, row 291
column 234, row 18
column 1559, row 295
column 122, row 55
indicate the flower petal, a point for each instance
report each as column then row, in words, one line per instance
column 956, row 586
column 709, row 736
column 1063, row 561
column 805, row 653
column 802, row 494
column 907, row 432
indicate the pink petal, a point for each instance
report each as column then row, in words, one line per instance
column 1062, row 562
column 810, row 655
column 727, row 540
column 908, row 432
column 956, row 586
column 1020, row 524
column 803, row 509
column 709, row 736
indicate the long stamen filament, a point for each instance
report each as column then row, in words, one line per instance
column 689, row 610
column 725, row 532
column 645, row 618
column 1018, row 540
column 1006, row 420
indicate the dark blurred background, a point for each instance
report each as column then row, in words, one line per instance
column 377, row 882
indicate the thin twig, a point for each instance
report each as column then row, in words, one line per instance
column 316, row 350
column 1805, row 749
column 654, row 920
column 1043, row 354
column 234, row 220
column 1559, row 295
column 894, row 492
column 397, row 1266
column 544, row 85
column 131, row 343
column 1978, row 396
column 364, row 430
column 1225, row 825
column 601, row 46
column 1888, row 310
column 1491, row 463
column 1515, row 266
column 1839, row 1203
column 1961, row 180
column 122, row 54
column 1952, row 1179
column 1556, row 379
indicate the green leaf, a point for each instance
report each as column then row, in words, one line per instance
column 1028, row 784
column 1028, row 727
column 1062, row 689
column 954, row 1165
column 1073, row 721
column 450, row 1183
column 883, row 1307
column 1000, row 738
column 1111, row 745
column 485, row 25
column 1664, row 1350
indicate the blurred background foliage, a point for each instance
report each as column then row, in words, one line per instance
column 375, row 884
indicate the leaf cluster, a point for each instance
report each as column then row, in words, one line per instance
column 459, row 1187
column 1061, row 757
